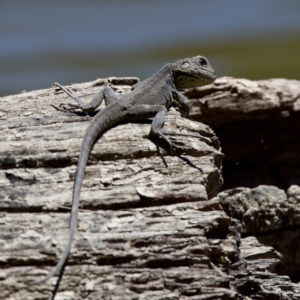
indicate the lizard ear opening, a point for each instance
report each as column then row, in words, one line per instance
column 185, row 64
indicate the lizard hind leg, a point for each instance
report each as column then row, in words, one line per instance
column 106, row 93
column 71, row 94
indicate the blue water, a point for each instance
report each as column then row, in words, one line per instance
column 76, row 41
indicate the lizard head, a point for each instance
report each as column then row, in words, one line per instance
column 193, row 72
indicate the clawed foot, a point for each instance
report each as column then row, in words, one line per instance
column 67, row 90
column 70, row 106
column 196, row 134
column 172, row 148
column 215, row 141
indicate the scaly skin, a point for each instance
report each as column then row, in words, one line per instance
column 150, row 98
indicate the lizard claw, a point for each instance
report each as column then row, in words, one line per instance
column 67, row 90
column 172, row 148
column 71, row 107
column 216, row 143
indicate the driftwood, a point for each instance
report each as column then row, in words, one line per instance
column 151, row 223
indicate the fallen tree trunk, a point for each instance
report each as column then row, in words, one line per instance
column 149, row 225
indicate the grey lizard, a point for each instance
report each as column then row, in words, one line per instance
column 151, row 98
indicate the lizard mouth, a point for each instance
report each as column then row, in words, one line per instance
column 208, row 74
column 194, row 79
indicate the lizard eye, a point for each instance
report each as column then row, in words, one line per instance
column 185, row 64
column 203, row 61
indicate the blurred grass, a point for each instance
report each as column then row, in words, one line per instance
column 251, row 58
column 260, row 59
column 255, row 59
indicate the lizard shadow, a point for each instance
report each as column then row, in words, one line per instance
column 176, row 151
column 179, row 155
column 188, row 162
column 160, row 144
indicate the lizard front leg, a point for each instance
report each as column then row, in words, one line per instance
column 106, row 93
column 182, row 102
column 159, row 112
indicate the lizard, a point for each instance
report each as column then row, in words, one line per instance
column 151, row 98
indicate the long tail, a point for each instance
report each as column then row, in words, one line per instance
column 100, row 122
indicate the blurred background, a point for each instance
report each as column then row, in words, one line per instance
column 76, row 41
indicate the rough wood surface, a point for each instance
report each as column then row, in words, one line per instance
column 150, row 224
column 257, row 123
column 230, row 99
column 261, row 265
column 155, row 242
column 273, row 216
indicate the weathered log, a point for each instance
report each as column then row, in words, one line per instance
column 149, row 225
column 273, row 216
column 262, row 262
column 257, row 123
column 154, row 243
